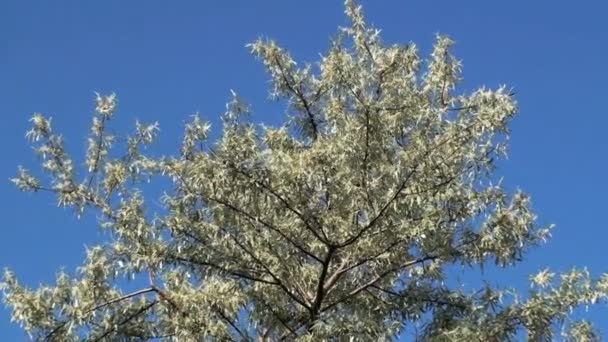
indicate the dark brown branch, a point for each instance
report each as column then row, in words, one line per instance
column 380, row 299
column 251, row 254
column 121, row 298
column 164, row 296
column 401, row 187
column 126, row 320
column 428, row 300
column 265, row 224
column 99, row 306
column 286, row 203
column 376, row 279
column 298, row 287
column 395, row 195
column 278, row 317
column 55, row 330
column 333, row 279
column 253, row 218
column 405, row 107
column 208, row 246
column 98, row 152
column 320, row 292
column 231, row 323
column 298, row 93
column 379, row 277
column 275, row 277
column 235, row 273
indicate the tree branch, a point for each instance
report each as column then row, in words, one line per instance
column 276, row 278
column 333, row 279
column 99, row 306
column 354, row 238
column 298, row 93
column 286, row 203
column 376, row 279
column 316, row 305
column 265, row 224
column 125, row 321
column 235, row 273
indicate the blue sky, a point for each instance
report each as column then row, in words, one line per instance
column 167, row 60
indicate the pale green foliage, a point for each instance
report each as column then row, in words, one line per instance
column 341, row 223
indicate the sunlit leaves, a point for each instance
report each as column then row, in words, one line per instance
column 340, row 223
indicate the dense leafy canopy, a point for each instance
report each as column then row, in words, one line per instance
column 340, row 223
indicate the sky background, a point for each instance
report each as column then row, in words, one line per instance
column 167, row 60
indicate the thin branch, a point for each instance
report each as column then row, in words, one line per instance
column 333, row 279
column 232, row 257
column 235, row 273
column 321, row 285
column 55, row 330
column 164, row 296
column 266, row 224
column 306, row 296
column 121, row 298
column 99, row 306
column 396, row 194
column 402, row 186
column 250, row 216
column 376, row 279
column 300, row 96
column 278, row 317
column 429, row 300
column 367, row 113
column 285, row 202
column 231, row 323
column 95, row 167
column 126, row 320
column 275, row 277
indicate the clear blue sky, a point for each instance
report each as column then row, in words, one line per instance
column 167, row 60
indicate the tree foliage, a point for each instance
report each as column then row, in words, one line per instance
column 340, row 223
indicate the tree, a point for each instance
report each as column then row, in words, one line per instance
column 340, row 223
